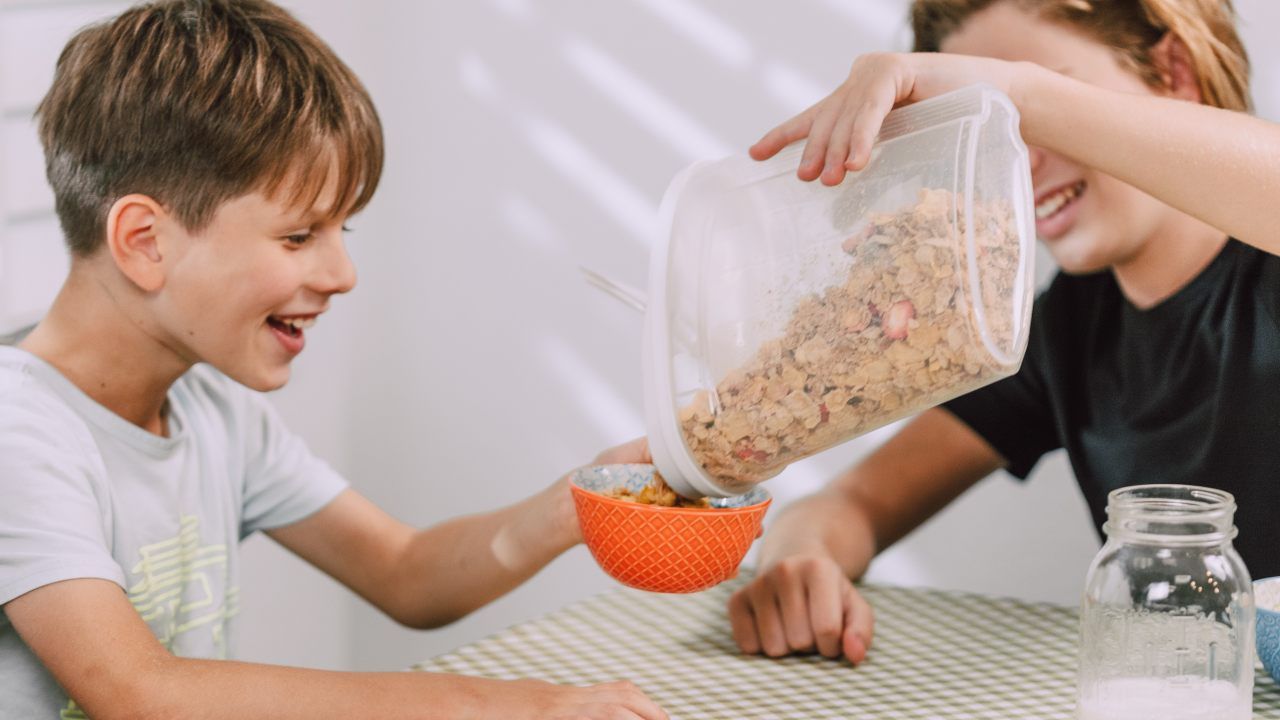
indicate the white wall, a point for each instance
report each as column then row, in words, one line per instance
column 472, row 365
column 32, row 261
column 527, row 138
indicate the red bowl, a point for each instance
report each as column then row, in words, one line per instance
column 663, row 549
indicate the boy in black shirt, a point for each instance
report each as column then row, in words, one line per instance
column 1181, row 392
column 1153, row 358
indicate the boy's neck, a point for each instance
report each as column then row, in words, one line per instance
column 90, row 336
column 1178, row 252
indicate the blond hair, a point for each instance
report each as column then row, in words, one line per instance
column 1132, row 27
column 196, row 102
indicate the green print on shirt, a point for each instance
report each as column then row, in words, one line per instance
column 169, row 569
column 163, row 591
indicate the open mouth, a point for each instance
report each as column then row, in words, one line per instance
column 1052, row 204
column 292, row 327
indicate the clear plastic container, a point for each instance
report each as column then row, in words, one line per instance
column 786, row 317
column 1167, row 622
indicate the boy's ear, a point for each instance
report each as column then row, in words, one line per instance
column 1177, row 73
column 133, row 241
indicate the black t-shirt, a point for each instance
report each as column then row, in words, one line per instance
column 1185, row 392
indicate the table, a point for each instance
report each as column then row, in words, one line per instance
column 937, row 655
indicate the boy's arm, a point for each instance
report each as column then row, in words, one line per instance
column 98, row 649
column 1216, row 165
column 428, row 578
column 803, row 599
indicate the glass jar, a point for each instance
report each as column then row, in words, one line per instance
column 785, row 317
column 1166, row 626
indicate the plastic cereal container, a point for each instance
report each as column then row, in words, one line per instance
column 786, row 317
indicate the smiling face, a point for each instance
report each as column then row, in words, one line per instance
column 240, row 293
column 1089, row 221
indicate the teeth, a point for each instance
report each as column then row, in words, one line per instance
column 1054, row 203
column 297, row 323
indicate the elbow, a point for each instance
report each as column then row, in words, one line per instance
column 426, row 620
column 406, row 595
column 422, row 623
column 417, row 615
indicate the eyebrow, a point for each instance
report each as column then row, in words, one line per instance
column 312, row 217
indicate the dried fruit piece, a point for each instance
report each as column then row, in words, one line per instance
column 896, row 319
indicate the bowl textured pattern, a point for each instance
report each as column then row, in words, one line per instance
column 661, row 549
column 1266, row 596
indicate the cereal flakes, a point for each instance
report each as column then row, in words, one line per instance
column 657, row 493
column 898, row 336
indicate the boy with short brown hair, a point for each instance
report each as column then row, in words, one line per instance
column 204, row 155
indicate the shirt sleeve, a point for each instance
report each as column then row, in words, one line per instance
column 1015, row 415
column 54, row 512
column 284, row 481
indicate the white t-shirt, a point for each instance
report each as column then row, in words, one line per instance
column 86, row 494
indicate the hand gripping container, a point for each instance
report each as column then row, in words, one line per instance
column 786, row 317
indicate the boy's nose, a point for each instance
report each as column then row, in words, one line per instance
column 335, row 273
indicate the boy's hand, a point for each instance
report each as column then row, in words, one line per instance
column 801, row 604
column 96, row 646
column 537, row 700
column 566, row 516
column 633, row 452
column 843, row 126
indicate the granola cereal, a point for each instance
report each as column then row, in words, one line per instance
column 657, row 493
column 897, row 336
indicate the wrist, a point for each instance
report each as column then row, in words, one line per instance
column 559, row 516
column 1037, row 93
column 537, row 530
column 783, row 548
column 1023, row 79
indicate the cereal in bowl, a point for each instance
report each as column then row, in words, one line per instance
column 657, row 493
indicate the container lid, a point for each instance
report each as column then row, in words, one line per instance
column 666, row 444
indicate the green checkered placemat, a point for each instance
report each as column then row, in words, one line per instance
column 936, row 656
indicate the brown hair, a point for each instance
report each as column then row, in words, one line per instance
column 196, row 102
column 1132, row 28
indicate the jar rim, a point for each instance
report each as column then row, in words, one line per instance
column 1153, row 513
column 1171, row 498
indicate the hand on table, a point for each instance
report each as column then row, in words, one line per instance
column 801, row 604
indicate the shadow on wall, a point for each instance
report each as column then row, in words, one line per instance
column 528, row 138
